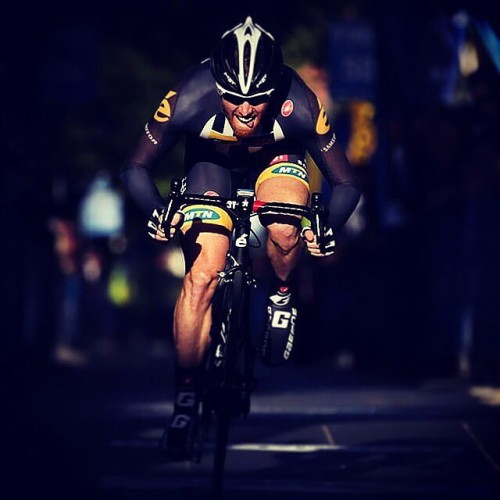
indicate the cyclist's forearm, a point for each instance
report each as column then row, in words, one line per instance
column 139, row 184
column 341, row 176
column 343, row 201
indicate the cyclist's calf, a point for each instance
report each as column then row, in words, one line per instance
column 205, row 255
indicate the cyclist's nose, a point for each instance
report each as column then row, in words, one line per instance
column 245, row 108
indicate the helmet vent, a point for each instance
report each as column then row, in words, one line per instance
column 247, row 60
column 247, row 38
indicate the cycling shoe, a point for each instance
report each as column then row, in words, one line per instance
column 279, row 335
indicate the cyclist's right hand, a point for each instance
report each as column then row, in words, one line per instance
column 312, row 244
column 156, row 224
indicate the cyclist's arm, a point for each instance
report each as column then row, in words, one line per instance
column 345, row 191
column 328, row 155
column 159, row 136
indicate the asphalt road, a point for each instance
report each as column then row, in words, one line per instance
column 91, row 432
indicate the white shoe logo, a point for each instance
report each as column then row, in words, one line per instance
column 281, row 319
column 185, row 399
column 280, row 300
column 180, row 421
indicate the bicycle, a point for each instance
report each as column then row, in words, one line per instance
column 229, row 367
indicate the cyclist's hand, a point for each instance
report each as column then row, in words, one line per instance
column 155, row 223
column 312, row 245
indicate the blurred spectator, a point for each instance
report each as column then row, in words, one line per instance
column 99, row 315
column 68, row 331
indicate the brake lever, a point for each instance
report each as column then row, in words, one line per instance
column 172, row 204
column 318, row 220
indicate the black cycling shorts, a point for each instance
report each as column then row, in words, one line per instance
column 206, row 178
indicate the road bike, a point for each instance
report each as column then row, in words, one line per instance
column 229, row 367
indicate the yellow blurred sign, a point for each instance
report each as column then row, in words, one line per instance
column 363, row 138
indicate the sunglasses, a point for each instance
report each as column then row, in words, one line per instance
column 252, row 100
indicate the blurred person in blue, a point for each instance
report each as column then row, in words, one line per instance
column 100, row 223
column 247, row 120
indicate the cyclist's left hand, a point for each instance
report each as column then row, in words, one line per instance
column 312, row 245
column 156, row 224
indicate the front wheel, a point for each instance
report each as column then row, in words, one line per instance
column 226, row 368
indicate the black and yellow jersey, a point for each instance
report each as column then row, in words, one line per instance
column 294, row 123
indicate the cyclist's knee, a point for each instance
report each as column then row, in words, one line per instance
column 284, row 236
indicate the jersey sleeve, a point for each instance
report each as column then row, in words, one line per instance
column 158, row 136
column 321, row 143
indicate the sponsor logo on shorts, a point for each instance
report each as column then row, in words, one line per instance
column 287, row 108
column 290, row 170
column 200, row 213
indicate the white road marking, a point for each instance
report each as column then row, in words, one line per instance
column 302, row 447
column 314, row 448
column 487, row 395
column 328, row 434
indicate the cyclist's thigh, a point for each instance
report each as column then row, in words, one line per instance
column 205, row 230
column 285, row 180
column 207, row 178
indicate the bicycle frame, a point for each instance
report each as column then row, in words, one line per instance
column 231, row 354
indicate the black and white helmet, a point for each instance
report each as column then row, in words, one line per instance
column 246, row 61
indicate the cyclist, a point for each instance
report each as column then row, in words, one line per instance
column 247, row 120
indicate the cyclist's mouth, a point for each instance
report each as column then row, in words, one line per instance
column 249, row 121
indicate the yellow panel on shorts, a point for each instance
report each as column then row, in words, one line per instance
column 284, row 169
column 196, row 214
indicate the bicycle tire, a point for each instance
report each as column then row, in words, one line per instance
column 232, row 314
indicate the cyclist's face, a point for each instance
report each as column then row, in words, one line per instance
column 244, row 118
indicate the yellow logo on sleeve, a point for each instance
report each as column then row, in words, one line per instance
column 322, row 124
column 164, row 111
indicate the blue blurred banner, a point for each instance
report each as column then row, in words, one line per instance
column 490, row 41
column 353, row 66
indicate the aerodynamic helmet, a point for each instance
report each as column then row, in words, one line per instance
column 246, row 61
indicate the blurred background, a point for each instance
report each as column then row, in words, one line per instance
column 412, row 91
